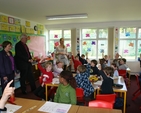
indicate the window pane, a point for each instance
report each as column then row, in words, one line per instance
column 127, row 49
column 68, row 45
column 90, row 47
column 139, row 48
column 67, row 33
column 103, row 33
column 89, row 33
column 139, row 34
column 51, row 46
column 55, row 34
column 102, row 47
column 127, row 33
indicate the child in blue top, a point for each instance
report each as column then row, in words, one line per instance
column 82, row 80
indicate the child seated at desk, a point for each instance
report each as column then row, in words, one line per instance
column 114, row 66
column 46, row 77
column 107, row 84
column 82, row 80
column 94, row 69
column 57, row 68
column 66, row 89
column 82, row 58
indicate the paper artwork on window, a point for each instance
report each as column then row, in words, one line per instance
column 87, row 35
column 125, row 51
column 56, row 44
column 93, row 42
column 139, row 50
column 131, row 44
column 102, row 44
column 68, row 45
column 127, row 34
column 55, row 36
column 84, row 43
column 101, row 50
column 88, row 49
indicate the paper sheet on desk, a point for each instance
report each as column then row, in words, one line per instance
column 53, row 107
column 12, row 108
column 99, row 82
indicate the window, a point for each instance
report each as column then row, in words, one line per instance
column 130, row 43
column 54, row 37
column 94, row 41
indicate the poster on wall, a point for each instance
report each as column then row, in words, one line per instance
column 3, row 18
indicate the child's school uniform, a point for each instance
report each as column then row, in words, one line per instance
column 94, row 70
column 83, row 61
column 56, row 70
column 76, row 63
column 40, row 91
column 65, row 94
column 107, row 84
column 83, row 82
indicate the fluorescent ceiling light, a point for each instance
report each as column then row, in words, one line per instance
column 69, row 16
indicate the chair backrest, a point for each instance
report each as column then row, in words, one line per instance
column 79, row 92
column 106, row 97
column 100, row 104
column 122, row 73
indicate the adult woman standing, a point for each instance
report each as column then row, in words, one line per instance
column 7, row 65
column 61, row 51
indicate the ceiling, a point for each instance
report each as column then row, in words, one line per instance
column 97, row 10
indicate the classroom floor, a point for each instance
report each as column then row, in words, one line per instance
column 132, row 106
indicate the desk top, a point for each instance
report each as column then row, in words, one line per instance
column 84, row 109
column 36, row 104
column 120, row 80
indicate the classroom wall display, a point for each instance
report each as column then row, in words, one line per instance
column 11, row 20
column 17, row 21
column 116, row 40
column 4, row 27
column 27, row 23
column 3, row 18
column 12, row 28
column 35, row 43
column 78, row 40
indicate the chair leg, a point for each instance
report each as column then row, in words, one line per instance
column 136, row 95
column 135, row 92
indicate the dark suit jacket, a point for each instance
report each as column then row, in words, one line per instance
column 21, row 56
column 5, row 64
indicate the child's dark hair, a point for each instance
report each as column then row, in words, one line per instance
column 81, row 68
column 102, row 61
column 109, row 70
column 94, row 61
column 124, row 60
column 82, row 55
column 67, row 75
column 114, row 64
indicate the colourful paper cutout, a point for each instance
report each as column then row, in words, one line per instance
column 55, row 36
column 101, row 50
column 127, row 34
column 93, row 42
column 68, row 45
column 87, row 35
column 125, row 51
column 84, row 43
column 102, row 44
column 88, row 49
column 131, row 44
column 56, row 44
column 139, row 50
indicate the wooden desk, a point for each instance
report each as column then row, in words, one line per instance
column 46, row 86
column 28, row 103
column 123, row 90
column 84, row 109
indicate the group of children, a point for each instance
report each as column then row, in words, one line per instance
column 65, row 93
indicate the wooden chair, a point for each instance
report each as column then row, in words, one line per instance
column 106, row 97
column 101, row 104
column 138, row 91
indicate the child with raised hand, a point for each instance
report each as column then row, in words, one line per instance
column 8, row 91
column 94, row 69
column 57, row 68
column 76, row 62
column 82, row 58
column 66, row 89
column 107, row 84
column 46, row 77
column 82, row 80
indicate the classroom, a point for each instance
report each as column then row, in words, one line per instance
column 92, row 28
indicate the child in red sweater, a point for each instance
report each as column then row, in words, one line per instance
column 76, row 62
column 46, row 77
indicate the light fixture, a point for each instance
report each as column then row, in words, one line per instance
column 68, row 16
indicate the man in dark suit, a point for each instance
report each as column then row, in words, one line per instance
column 23, row 62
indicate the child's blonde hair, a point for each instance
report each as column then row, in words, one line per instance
column 47, row 64
column 81, row 68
